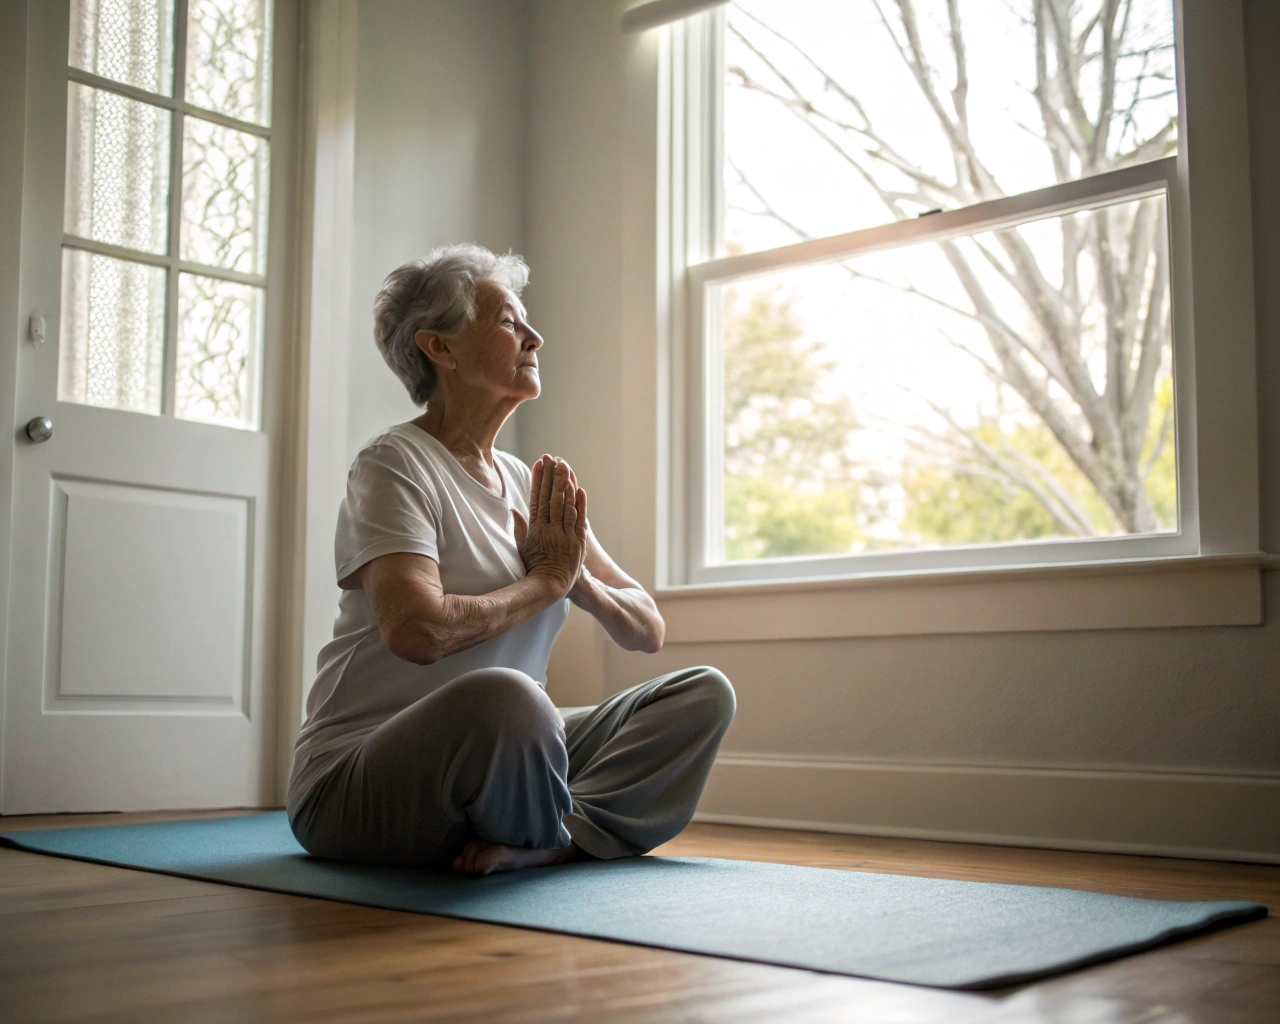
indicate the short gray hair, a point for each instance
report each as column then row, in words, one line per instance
column 435, row 294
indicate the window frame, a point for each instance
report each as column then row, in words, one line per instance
column 1211, row 520
column 171, row 261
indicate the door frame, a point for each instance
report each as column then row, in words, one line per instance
column 314, row 465
column 13, row 129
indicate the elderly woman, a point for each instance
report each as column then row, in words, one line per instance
column 430, row 739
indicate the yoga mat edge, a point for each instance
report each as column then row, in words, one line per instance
column 510, row 900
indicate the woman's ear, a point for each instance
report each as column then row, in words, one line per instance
column 435, row 348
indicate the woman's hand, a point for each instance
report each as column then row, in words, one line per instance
column 620, row 604
column 553, row 542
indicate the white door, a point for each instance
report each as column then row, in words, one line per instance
column 154, row 248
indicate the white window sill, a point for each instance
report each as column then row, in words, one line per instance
column 1206, row 590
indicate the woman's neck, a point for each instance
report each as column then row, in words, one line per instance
column 467, row 429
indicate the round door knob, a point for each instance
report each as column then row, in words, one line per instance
column 40, row 428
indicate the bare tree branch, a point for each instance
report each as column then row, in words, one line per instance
column 1066, row 513
column 1102, row 270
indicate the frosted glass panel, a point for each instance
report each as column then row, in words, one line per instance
column 219, row 341
column 112, row 348
column 117, row 169
column 224, row 197
column 129, row 41
column 229, row 58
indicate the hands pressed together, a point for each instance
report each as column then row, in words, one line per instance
column 553, row 543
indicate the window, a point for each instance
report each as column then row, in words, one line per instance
column 925, row 287
column 165, row 219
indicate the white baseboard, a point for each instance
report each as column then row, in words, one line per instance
column 1170, row 814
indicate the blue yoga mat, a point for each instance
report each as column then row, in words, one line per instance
column 926, row 931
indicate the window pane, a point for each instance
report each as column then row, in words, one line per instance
column 224, row 197
column 117, row 169
column 1011, row 386
column 112, row 335
column 129, row 41
column 835, row 119
column 219, row 341
column 229, row 58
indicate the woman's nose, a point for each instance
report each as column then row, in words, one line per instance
column 533, row 340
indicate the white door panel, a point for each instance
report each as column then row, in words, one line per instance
column 140, row 626
column 176, row 565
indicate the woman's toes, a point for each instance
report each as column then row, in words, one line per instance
column 480, row 857
column 466, row 859
column 490, row 859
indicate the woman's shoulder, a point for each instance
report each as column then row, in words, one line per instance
column 397, row 452
column 399, row 443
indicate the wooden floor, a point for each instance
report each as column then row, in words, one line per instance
column 83, row 941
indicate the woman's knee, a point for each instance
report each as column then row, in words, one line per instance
column 505, row 698
column 716, row 692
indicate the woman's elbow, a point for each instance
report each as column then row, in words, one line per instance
column 412, row 644
column 652, row 642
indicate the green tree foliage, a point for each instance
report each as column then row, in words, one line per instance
column 973, row 503
column 788, row 483
column 765, row 519
column 1158, row 453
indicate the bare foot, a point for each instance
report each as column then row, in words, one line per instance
column 481, row 857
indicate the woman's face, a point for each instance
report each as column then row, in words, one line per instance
column 497, row 353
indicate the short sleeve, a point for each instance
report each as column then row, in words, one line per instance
column 389, row 508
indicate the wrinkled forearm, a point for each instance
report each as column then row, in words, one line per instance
column 628, row 614
column 425, row 633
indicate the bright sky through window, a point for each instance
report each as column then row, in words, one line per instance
column 844, row 114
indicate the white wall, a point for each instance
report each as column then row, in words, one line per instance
column 574, row 236
column 1160, row 739
column 1262, row 38
column 439, row 159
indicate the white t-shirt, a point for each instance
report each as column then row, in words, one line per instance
column 406, row 492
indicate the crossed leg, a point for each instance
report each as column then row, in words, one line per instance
column 483, row 775
column 637, row 765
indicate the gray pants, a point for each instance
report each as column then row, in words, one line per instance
column 488, row 756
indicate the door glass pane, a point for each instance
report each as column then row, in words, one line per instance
column 117, row 169
column 229, row 58
column 843, row 114
column 1009, row 386
column 112, row 332
column 224, row 197
column 129, row 41
column 219, row 344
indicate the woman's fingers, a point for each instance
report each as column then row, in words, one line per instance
column 553, row 492
column 545, row 489
column 581, row 502
column 571, row 494
column 561, row 481
column 535, row 487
